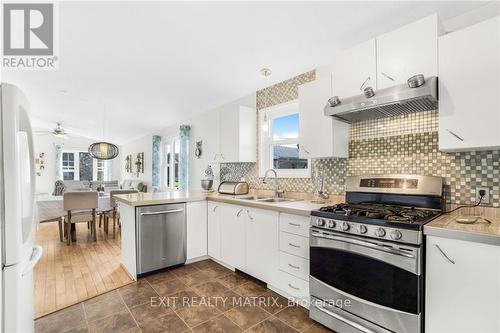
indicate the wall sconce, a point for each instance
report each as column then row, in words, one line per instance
column 139, row 164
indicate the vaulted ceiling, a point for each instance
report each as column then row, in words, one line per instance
column 133, row 67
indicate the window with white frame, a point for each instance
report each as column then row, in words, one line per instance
column 68, row 166
column 279, row 142
column 102, row 170
column 170, row 178
column 80, row 165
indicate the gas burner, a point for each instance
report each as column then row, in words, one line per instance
column 391, row 213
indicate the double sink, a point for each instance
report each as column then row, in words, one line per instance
column 263, row 198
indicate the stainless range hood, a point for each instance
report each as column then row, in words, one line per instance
column 388, row 102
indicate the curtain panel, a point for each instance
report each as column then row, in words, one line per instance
column 184, row 133
column 58, row 163
column 156, row 162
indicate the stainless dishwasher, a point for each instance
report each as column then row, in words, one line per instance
column 161, row 236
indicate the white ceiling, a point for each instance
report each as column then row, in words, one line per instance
column 149, row 65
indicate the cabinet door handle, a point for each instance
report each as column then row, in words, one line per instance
column 215, row 208
column 365, row 83
column 293, row 287
column 294, row 224
column 387, row 76
column 293, row 266
column 455, row 135
column 305, row 150
column 239, row 213
column 294, row 245
column 249, row 216
column 444, row 254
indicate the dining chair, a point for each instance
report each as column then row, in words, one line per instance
column 114, row 213
column 80, row 207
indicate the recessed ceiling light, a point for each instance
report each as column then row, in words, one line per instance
column 265, row 72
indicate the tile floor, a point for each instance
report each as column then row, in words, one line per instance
column 200, row 297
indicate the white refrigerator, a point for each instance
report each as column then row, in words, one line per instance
column 17, row 200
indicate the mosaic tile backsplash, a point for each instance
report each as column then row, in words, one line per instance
column 404, row 144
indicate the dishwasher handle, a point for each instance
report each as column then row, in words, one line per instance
column 163, row 212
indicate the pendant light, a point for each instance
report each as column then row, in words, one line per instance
column 103, row 150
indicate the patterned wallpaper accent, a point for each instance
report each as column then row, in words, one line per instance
column 404, row 144
column 282, row 92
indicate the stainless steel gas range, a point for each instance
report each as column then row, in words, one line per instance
column 366, row 256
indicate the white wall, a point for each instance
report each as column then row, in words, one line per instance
column 46, row 144
column 204, row 127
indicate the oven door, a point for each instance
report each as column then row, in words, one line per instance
column 381, row 279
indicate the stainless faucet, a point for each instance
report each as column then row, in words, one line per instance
column 323, row 194
column 278, row 192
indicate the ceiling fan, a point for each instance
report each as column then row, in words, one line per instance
column 58, row 132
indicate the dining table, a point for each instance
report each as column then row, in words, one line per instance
column 50, row 208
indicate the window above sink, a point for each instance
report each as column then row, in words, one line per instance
column 279, row 142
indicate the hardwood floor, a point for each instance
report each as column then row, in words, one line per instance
column 66, row 275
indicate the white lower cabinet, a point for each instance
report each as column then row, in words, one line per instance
column 462, row 286
column 293, row 276
column 214, row 234
column 196, row 220
column 232, row 224
column 293, row 286
column 261, row 244
column 253, row 241
column 294, row 265
column 294, row 244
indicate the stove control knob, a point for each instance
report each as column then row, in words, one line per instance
column 330, row 224
column 345, row 226
column 320, row 222
column 362, row 229
column 396, row 234
column 380, row 232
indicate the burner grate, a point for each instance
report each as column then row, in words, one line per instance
column 381, row 211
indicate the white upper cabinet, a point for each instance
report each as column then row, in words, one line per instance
column 238, row 133
column 352, row 68
column 320, row 135
column 409, row 50
column 469, row 86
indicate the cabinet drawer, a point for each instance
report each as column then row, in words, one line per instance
column 294, row 265
column 295, row 224
column 292, row 285
column 293, row 244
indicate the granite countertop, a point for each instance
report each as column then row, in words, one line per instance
column 480, row 232
column 297, row 207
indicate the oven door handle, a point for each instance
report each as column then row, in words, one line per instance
column 344, row 320
column 364, row 243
